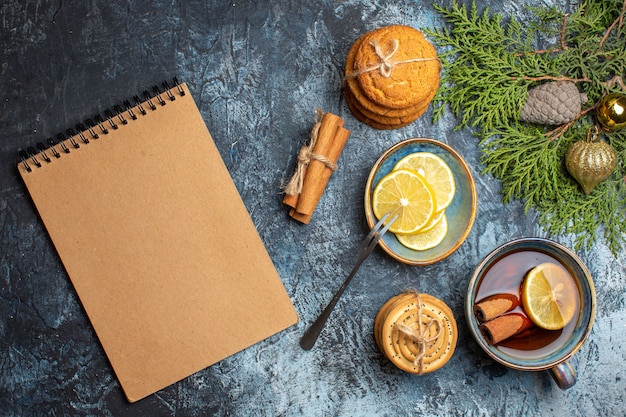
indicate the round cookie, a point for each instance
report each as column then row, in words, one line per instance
column 380, row 318
column 352, row 84
column 356, row 112
column 383, row 118
column 416, row 332
column 400, row 79
column 377, row 121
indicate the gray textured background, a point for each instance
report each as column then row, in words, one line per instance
column 258, row 70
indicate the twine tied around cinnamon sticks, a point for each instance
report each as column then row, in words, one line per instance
column 386, row 64
column 418, row 336
column 305, row 156
column 316, row 162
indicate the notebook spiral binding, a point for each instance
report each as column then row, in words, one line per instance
column 99, row 125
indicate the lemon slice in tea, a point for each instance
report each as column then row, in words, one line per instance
column 549, row 296
column 404, row 193
column 436, row 172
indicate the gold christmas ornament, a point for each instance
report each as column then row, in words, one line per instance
column 611, row 112
column 591, row 160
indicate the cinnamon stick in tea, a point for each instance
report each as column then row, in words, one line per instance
column 505, row 326
column 494, row 306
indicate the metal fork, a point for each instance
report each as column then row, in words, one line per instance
column 369, row 243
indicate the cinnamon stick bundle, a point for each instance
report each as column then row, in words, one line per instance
column 316, row 162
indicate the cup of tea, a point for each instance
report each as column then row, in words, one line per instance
column 497, row 317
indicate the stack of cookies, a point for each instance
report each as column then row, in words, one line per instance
column 392, row 75
column 416, row 332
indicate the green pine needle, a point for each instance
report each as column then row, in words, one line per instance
column 489, row 64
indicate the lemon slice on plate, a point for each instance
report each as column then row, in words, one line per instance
column 407, row 194
column 549, row 296
column 433, row 222
column 427, row 239
column 436, row 172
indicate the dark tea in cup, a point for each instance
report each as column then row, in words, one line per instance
column 504, row 278
column 517, row 341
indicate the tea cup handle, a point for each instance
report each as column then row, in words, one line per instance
column 564, row 375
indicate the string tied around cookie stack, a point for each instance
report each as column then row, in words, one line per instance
column 386, row 64
column 418, row 336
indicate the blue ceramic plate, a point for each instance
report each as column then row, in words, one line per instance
column 460, row 214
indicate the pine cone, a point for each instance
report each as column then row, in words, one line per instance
column 552, row 103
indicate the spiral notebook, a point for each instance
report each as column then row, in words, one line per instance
column 156, row 240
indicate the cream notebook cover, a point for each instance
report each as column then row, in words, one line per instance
column 157, row 242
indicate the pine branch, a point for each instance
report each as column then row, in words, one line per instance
column 490, row 63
